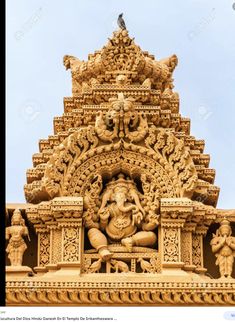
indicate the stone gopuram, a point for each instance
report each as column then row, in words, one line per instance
column 120, row 201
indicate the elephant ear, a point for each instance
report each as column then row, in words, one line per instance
column 135, row 196
column 107, row 195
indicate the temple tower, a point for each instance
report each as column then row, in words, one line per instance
column 121, row 201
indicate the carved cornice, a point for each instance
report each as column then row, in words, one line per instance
column 119, row 293
column 172, row 223
column 189, row 227
column 192, row 211
column 176, row 208
column 69, row 223
column 229, row 214
column 201, row 230
column 49, row 214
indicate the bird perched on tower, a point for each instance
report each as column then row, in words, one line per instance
column 121, row 22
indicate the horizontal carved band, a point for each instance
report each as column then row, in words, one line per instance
column 155, row 297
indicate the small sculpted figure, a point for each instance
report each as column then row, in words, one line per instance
column 223, row 245
column 16, row 246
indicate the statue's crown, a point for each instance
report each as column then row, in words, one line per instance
column 121, row 182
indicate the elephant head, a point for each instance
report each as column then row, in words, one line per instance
column 121, row 192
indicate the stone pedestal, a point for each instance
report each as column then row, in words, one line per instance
column 18, row 271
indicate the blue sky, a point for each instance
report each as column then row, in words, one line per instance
column 40, row 33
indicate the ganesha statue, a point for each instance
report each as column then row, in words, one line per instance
column 119, row 217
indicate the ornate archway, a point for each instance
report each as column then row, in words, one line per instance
column 88, row 152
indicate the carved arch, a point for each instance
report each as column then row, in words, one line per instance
column 82, row 155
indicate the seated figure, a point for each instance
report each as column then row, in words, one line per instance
column 120, row 218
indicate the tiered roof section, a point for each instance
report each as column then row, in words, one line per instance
column 122, row 67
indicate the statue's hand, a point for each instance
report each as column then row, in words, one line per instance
column 88, row 217
column 104, row 214
column 137, row 218
column 153, row 218
column 224, row 240
column 229, row 242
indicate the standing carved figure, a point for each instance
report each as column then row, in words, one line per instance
column 223, row 245
column 16, row 246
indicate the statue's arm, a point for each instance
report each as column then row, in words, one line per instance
column 232, row 243
column 88, row 220
column 216, row 244
column 152, row 222
column 26, row 233
column 7, row 233
column 149, row 226
column 135, row 197
column 104, row 218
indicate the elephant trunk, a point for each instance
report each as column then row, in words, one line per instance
column 120, row 204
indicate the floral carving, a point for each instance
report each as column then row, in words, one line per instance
column 71, row 245
column 56, row 249
column 78, row 154
column 196, row 250
column 186, row 248
column 44, row 244
column 175, row 157
column 171, row 245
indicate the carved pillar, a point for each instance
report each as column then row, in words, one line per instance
column 174, row 213
column 197, row 248
column 72, row 244
column 56, row 242
column 55, row 245
column 186, row 246
column 43, row 255
column 171, row 243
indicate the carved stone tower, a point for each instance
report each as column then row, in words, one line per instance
column 121, row 201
